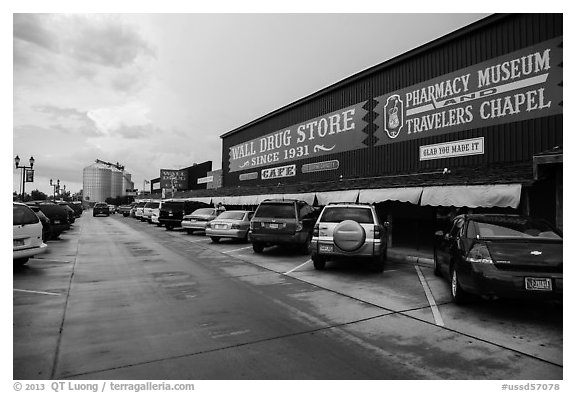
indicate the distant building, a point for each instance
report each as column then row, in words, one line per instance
column 103, row 180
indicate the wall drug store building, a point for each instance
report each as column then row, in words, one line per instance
column 471, row 120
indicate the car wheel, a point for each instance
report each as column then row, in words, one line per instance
column 377, row 263
column 437, row 271
column 258, row 247
column 20, row 261
column 214, row 239
column 305, row 248
column 319, row 262
column 459, row 296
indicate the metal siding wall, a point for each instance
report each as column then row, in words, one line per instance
column 511, row 142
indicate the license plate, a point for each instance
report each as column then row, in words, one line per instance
column 326, row 247
column 273, row 226
column 18, row 242
column 56, row 221
column 538, row 284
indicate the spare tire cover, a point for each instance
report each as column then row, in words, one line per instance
column 349, row 235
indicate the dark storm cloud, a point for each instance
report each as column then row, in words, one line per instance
column 100, row 41
column 60, row 112
column 109, row 43
column 75, row 121
column 33, row 29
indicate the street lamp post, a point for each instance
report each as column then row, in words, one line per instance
column 56, row 186
column 24, row 168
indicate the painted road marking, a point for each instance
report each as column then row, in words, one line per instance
column 237, row 249
column 435, row 311
column 236, row 333
column 195, row 240
column 298, row 267
column 37, row 292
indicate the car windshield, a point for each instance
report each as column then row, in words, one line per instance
column 152, row 205
column 276, row 210
column 203, row 212
column 23, row 215
column 514, row 227
column 231, row 215
column 173, row 204
column 339, row 214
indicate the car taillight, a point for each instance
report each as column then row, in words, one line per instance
column 479, row 254
column 377, row 231
column 299, row 227
column 316, row 232
column 235, row 226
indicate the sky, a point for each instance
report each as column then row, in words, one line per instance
column 156, row 91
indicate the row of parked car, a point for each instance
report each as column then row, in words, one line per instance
column 36, row 222
column 488, row 255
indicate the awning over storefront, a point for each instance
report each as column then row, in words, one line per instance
column 269, row 196
column 246, row 200
column 325, row 198
column 306, row 197
column 402, row 194
column 496, row 195
column 201, row 199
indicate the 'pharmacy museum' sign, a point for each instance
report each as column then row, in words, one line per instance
column 521, row 85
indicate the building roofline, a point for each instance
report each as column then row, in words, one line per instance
column 482, row 23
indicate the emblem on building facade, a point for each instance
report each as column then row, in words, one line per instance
column 393, row 116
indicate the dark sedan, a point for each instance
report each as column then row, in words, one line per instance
column 497, row 255
column 101, row 209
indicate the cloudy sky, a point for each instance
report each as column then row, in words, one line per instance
column 154, row 91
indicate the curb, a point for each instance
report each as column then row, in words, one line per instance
column 413, row 259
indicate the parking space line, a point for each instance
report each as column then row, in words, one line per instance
column 195, row 240
column 237, row 249
column 299, row 266
column 37, row 292
column 435, row 311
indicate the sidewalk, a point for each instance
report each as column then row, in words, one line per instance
column 412, row 255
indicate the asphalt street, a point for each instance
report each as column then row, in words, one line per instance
column 116, row 298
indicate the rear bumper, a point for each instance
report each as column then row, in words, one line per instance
column 487, row 280
column 29, row 252
column 170, row 222
column 196, row 225
column 228, row 233
column 277, row 238
column 368, row 249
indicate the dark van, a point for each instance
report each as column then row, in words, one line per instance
column 173, row 211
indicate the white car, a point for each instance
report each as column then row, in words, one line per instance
column 27, row 234
column 198, row 220
column 149, row 209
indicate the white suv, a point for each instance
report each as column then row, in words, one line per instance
column 349, row 230
column 27, row 234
